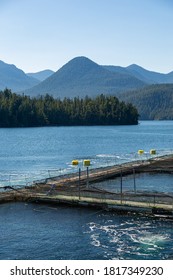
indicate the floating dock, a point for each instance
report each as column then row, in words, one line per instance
column 78, row 189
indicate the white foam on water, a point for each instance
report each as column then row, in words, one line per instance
column 92, row 226
column 95, row 241
column 149, row 239
column 153, row 239
column 114, row 239
column 103, row 155
column 107, row 229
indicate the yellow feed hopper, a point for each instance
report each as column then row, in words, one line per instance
column 75, row 162
column 140, row 152
column 86, row 162
column 152, row 152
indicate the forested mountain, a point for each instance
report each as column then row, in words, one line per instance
column 153, row 102
column 149, row 77
column 81, row 77
column 24, row 111
column 41, row 75
column 118, row 69
column 14, row 78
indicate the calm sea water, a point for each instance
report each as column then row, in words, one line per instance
column 29, row 154
column 73, row 233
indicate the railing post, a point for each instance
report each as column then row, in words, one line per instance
column 79, row 181
column 134, row 180
column 121, row 186
column 87, row 177
column 154, row 200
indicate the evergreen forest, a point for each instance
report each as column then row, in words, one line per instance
column 154, row 102
column 23, row 111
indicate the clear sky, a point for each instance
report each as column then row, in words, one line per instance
column 46, row 34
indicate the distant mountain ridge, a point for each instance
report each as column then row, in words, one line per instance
column 14, row 78
column 81, row 76
column 41, row 75
column 149, row 77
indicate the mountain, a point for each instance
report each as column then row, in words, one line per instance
column 169, row 77
column 13, row 78
column 41, row 75
column 154, row 102
column 81, row 76
column 148, row 77
column 118, row 69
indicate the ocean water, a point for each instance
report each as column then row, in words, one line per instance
column 28, row 154
column 31, row 231
column 152, row 182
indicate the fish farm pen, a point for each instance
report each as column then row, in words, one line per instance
column 81, row 188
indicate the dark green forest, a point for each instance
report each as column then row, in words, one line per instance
column 24, row 111
column 153, row 102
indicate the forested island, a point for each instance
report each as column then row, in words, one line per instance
column 23, row 111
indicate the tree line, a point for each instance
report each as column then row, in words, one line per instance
column 23, row 111
column 154, row 102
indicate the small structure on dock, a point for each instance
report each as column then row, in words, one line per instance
column 86, row 162
column 152, row 152
column 140, row 152
column 75, row 162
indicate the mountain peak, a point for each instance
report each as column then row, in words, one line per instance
column 8, row 66
column 14, row 78
column 81, row 62
column 41, row 75
column 81, row 59
column 82, row 76
column 147, row 76
column 134, row 67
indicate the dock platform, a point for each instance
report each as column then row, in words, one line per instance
column 78, row 189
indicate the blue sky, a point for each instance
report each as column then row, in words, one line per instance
column 42, row 34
